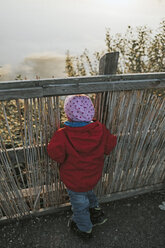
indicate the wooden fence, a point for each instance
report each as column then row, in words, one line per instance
column 132, row 107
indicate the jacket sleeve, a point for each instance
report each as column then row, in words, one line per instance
column 110, row 141
column 56, row 147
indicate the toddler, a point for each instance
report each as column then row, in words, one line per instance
column 79, row 147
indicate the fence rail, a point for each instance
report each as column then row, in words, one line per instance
column 29, row 179
column 54, row 87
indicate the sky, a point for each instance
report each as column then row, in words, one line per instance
column 36, row 31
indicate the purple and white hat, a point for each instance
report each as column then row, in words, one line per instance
column 79, row 108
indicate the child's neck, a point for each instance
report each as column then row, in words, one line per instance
column 71, row 123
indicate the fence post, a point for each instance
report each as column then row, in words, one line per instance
column 108, row 65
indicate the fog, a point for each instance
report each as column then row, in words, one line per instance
column 35, row 66
column 35, row 35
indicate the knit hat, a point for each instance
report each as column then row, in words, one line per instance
column 79, row 108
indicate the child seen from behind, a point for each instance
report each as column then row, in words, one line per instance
column 80, row 147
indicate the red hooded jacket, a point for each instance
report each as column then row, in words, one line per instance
column 80, row 152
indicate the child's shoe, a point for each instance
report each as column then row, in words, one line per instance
column 85, row 235
column 97, row 216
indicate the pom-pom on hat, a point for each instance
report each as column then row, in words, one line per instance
column 79, row 108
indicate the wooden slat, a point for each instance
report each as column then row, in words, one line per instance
column 52, row 87
column 104, row 199
column 70, row 80
column 32, row 192
column 20, row 93
column 94, row 87
column 131, row 193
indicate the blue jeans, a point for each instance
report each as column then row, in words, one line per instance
column 81, row 202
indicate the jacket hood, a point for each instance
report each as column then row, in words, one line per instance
column 84, row 139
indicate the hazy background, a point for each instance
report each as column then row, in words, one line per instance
column 35, row 34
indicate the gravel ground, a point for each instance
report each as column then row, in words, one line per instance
column 135, row 222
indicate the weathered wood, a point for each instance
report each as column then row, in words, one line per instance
column 131, row 193
column 138, row 119
column 94, row 87
column 20, row 93
column 108, row 63
column 80, row 85
column 100, row 78
column 33, row 191
column 104, row 199
column 127, row 108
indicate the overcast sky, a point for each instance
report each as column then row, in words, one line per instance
column 51, row 27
